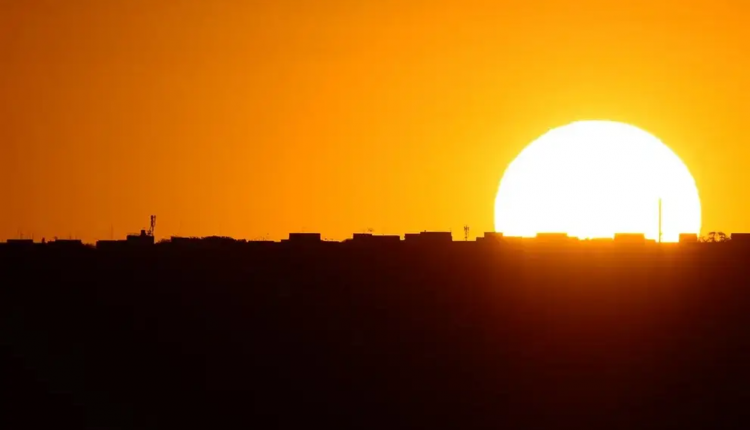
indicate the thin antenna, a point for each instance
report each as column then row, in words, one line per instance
column 660, row 231
column 152, row 226
column 466, row 232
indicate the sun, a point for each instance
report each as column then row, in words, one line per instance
column 592, row 179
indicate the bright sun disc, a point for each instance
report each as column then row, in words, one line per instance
column 592, row 179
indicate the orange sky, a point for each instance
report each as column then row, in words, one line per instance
column 248, row 118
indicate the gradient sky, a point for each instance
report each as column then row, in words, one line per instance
column 248, row 118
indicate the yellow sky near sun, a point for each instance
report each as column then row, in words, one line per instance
column 248, row 118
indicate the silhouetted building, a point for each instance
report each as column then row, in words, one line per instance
column 517, row 240
column 370, row 239
column 361, row 237
column 260, row 244
column 212, row 242
column 65, row 244
column 630, row 238
column 221, row 240
column 689, row 238
column 491, row 236
column 743, row 238
column 141, row 239
column 176, row 240
column 431, row 237
column 303, row 238
column 108, row 245
column 20, row 243
column 552, row 238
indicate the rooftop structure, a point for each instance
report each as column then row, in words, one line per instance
column 630, row 238
column 142, row 239
column 65, row 243
column 688, row 238
column 429, row 237
column 369, row 238
column 491, row 236
column 20, row 241
column 303, row 238
column 553, row 238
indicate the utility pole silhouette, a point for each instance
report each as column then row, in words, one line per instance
column 466, row 232
column 660, row 231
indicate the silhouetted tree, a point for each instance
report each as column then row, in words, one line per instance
column 715, row 237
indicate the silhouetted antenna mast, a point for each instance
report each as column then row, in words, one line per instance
column 466, row 232
column 660, row 231
column 152, row 228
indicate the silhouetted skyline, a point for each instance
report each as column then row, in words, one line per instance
column 422, row 332
column 425, row 237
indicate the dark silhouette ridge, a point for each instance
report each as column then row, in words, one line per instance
column 375, row 332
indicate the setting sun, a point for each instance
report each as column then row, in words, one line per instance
column 592, row 179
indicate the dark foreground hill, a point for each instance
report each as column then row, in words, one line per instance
column 336, row 336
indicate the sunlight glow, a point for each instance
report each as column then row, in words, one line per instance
column 592, row 179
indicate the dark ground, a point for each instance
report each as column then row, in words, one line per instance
column 333, row 336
